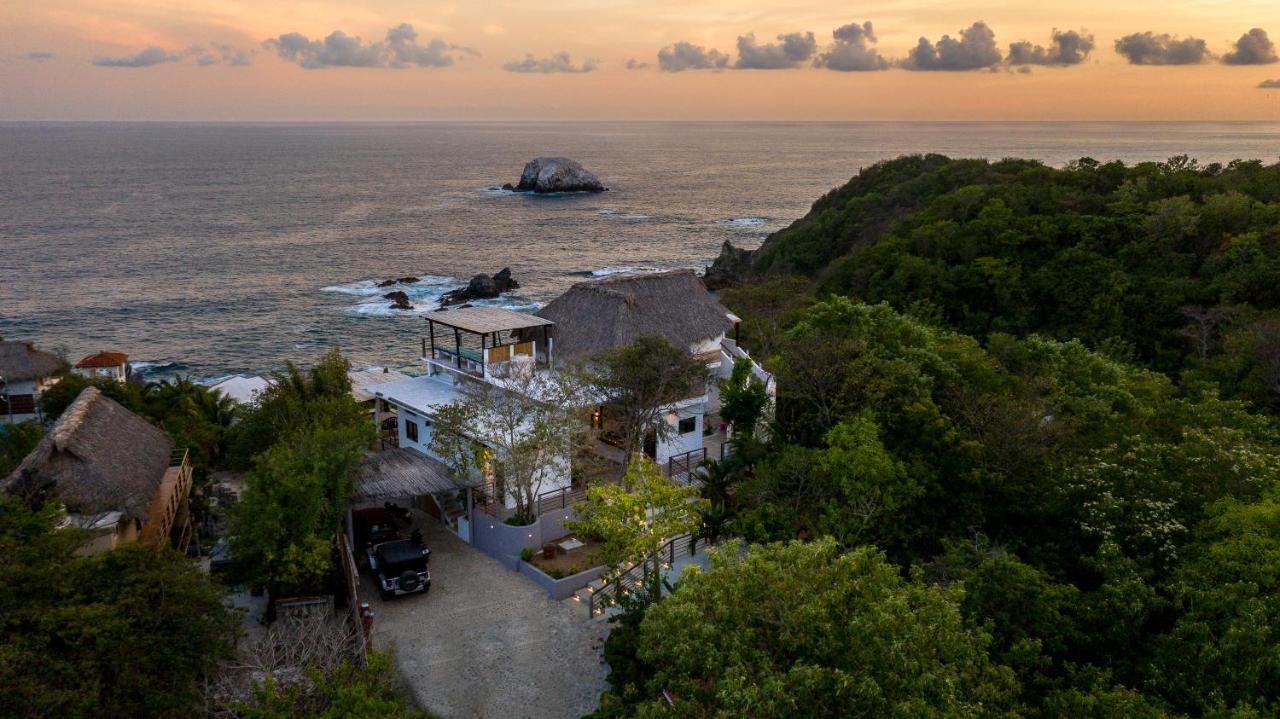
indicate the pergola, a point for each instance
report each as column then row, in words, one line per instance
column 472, row 338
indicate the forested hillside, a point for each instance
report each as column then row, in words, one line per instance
column 1025, row 461
column 1174, row 265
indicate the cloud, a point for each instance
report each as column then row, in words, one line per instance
column 150, row 56
column 1069, row 47
column 687, row 56
column 1148, row 48
column 400, row 49
column 634, row 64
column 852, row 51
column 975, row 49
column 558, row 62
column 217, row 53
column 1269, row 84
column 40, row 56
column 791, row 50
column 1253, row 48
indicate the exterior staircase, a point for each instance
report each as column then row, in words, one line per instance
column 450, row 508
column 602, row 596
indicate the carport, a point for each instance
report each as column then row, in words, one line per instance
column 403, row 473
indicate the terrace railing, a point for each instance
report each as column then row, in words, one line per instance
column 631, row 580
column 681, row 466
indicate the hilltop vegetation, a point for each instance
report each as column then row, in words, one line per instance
column 1029, row 409
column 1173, row 265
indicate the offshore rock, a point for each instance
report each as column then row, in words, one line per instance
column 557, row 174
column 481, row 287
column 729, row 269
column 399, row 300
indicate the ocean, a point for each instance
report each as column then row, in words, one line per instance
column 211, row 249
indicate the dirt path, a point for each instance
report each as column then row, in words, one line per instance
column 487, row 642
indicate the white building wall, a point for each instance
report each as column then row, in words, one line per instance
column 30, row 387
column 680, row 443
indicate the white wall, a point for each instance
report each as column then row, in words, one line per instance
column 423, row 444
column 678, row 444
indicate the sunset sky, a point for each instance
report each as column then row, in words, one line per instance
column 626, row 59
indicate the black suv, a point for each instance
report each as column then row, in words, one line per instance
column 400, row 566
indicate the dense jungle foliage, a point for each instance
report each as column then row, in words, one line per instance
column 1024, row 448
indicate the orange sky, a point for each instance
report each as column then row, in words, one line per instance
column 70, row 86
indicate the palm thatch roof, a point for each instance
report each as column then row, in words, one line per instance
column 404, row 472
column 596, row 316
column 21, row 361
column 99, row 457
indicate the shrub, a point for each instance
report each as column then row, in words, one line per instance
column 526, row 554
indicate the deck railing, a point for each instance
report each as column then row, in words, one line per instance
column 681, row 466
column 632, row 579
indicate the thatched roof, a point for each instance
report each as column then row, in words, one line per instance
column 20, row 361
column 596, row 316
column 404, row 472
column 483, row 320
column 99, row 457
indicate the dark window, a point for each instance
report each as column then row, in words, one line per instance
column 411, row 431
column 688, row 424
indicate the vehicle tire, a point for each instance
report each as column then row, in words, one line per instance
column 409, row 580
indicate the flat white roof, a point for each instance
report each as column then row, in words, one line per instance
column 241, row 388
column 363, row 379
column 422, row 394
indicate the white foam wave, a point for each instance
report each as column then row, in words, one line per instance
column 611, row 212
column 624, row 270
column 743, row 221
column 365, row 288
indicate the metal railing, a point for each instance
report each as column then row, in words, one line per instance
column 632, row 579
column 682, row 465
column 562, row 498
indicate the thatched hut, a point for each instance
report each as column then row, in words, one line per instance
column 594, row 317
column 26, row 372
column 117, row 475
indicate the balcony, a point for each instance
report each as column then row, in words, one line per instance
column 169, row 506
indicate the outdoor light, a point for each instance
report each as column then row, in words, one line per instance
column 672, row 416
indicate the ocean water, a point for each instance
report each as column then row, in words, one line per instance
column 211, row 249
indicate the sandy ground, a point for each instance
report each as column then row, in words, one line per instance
column 487, row 642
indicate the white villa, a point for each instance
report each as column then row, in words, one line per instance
column 25, row 373
column 104, row 365
column 489, row 344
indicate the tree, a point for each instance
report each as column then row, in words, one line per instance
column 743, row 398
column 803, row 630
column 635, row 518
column 639, row 381
column 525, row 429
column 16, row 442
column 296, row 496
column 129, row 632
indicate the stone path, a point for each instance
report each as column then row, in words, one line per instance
column 487, row 642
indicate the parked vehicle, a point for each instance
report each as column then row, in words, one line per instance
column 373, row 526
column 400, row 567
column 220, row 556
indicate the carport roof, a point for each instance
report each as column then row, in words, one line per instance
column 404, row 472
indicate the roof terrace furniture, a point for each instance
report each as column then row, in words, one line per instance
column 475, row 339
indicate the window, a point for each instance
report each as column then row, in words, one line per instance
column 411, row 431
column 688, row 424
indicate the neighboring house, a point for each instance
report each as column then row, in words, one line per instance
column 241, row 388
column 25, row 373
column 118, row 476
column 104, row 365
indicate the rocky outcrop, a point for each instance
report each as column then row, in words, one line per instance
column 557, row 174
column 729, row 269
column 398, row 281
column 481, row 287
column 399, row 300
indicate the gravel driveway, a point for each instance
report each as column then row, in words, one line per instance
column 487, row 642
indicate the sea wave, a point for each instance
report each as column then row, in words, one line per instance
column 611, row 212
column 743, row 221
column 624, row 270
column 424, row 295
column 365, row 288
